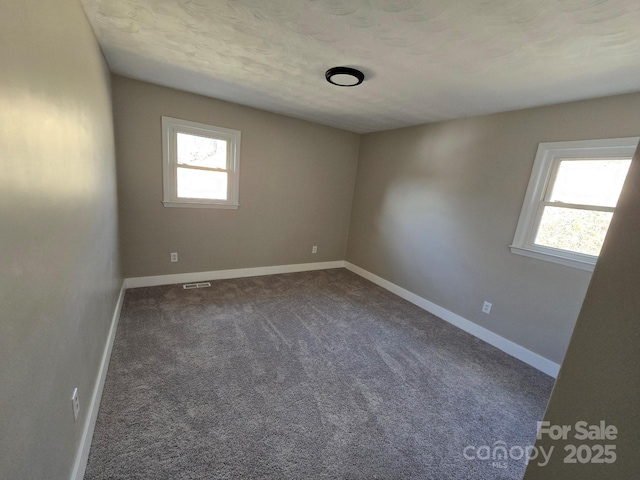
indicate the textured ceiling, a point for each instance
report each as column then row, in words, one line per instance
column 424, row 60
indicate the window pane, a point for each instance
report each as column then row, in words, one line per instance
column 581, row 231
column 202, row 151
column 202, row 184
column 590, row 182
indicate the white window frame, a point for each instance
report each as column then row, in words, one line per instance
column 542, row 176
column 170, row 129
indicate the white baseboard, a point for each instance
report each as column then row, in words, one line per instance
column 156, row 280
column 537, row 361
column 94, row 405
column 527, row 356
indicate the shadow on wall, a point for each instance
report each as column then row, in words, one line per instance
column 422, row 203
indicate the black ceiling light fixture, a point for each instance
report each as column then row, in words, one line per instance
column 344, row 76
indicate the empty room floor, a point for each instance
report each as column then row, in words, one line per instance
column 306, row 375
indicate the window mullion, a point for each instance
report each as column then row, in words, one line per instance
column 194, row 167
column 577, row 206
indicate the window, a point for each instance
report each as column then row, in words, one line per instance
column 200, row 165
column 572, row 193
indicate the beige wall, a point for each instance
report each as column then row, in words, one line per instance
column 59, row 278
column 436, row 207
column 296, row 186
column 599, row 379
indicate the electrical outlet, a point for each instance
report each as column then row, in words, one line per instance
column 75, row 404
column 174, row 257
column 486, row 307
column 314, row 249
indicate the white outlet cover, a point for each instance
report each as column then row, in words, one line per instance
column 486, row 307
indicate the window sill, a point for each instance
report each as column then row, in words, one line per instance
column 226, row 206
column 554, row 258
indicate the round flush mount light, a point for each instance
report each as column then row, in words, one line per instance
column 344, row 76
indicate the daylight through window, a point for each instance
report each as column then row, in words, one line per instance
column 572, row 194
column 200, row 165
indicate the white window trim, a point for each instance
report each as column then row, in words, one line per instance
column 170, row 128
column 538, row 183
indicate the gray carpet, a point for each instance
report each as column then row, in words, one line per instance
column 315, row 375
